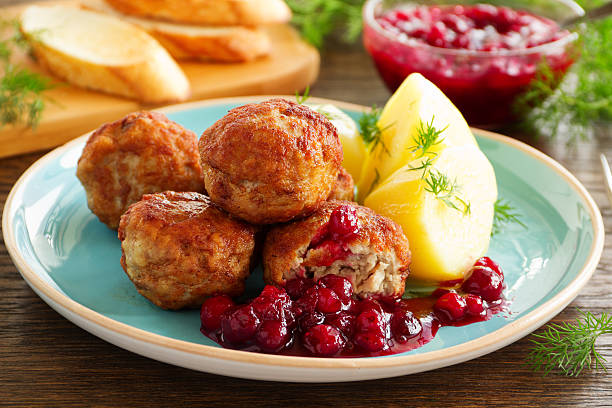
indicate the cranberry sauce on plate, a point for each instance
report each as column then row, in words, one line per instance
column 325, row 318
column 481, row 56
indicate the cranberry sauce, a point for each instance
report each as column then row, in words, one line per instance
column 326, row 319
column 482, row 85
column 481, row 27
column 333, row 237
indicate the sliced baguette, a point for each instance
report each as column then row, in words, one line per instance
column 210, row 12
column 214, row 43
column 103, row 53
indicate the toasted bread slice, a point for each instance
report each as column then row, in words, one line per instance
column 95, row 51
column 210, row 12
column 183, row 41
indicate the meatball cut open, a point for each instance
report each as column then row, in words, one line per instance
column 142, row 153
column 179, row 248
column 344, row 187
column 340, row 238
column 270, row 162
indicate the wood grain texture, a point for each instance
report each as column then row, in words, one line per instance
column 46, row 361
column 291, row 66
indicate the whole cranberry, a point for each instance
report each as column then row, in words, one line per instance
column 343, row 223
column 368, row 304
column 488, row 262
column 450, row 307
column 474, row 304
column 308, row 302
column 405, row 325
column 297, row 287
column 340, row 285
column 328, row 301
column 272, row 336
column 484, row 281
column 323, row 340
column 370, row 321
column 370, row 341
column 213, row 309
column 343, row 321
column 239, row 325
column 311, row 319
column 272, row 304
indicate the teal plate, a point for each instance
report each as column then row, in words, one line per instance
column 71, row 260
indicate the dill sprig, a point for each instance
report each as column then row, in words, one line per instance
column 426, row 137
column 436, row 182
column 301, row 99
column 376, row 180
column 583, row 97
column 425, row 164
column 21, row 99
column 371, row 133
column 318, row 19
column 504, row 214
column 570, row 348
column 445, row 190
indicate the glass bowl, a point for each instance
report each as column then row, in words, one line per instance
column 482, row 84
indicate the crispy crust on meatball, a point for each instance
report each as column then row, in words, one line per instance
column 179, row 248
column 377, row 264
column 142, row 153
column 344, row 188
column 270, row 162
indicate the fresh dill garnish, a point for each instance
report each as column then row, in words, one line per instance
column 425, row 164
column 318, row 19
column 301, row 99
column 376, row 180
column 426, row 137
column 370, row 132
column 21, row 99
column 583, row 97
column 504, row 214
column 570, row 348
column 445, row 190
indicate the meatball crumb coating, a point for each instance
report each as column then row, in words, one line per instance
column 344, row 187
column 270, row 162
column 179, row 248
column 340, row 238
column 142, row 153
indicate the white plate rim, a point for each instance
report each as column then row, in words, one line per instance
column 373, row 367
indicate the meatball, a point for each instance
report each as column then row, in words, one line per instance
column 344, row 188
column 179, row 248
column 344, row 239
column 270, row 162
column 143, row 153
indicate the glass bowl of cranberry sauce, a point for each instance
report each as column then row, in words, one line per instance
column 482, row 55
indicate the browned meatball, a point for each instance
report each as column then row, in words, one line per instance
column 270, row 162
column 179, row 248
column 340, row 238
column 344, row 188
column 143, row 153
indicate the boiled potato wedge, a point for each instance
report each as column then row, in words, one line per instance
column 417, row 102
column 447, row 231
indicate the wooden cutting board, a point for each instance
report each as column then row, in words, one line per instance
column 72, row 111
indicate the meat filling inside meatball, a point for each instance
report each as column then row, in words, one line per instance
column 344, row 246
column 369, row 271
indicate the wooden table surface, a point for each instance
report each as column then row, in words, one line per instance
column 45, row 360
